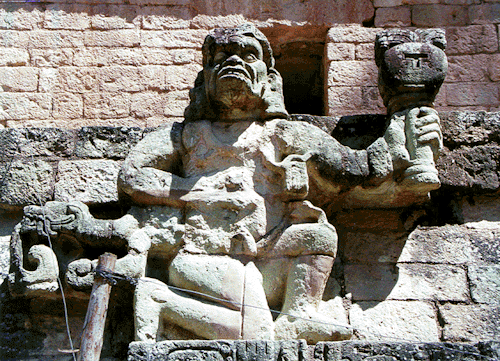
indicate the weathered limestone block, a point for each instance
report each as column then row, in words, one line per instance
column 20, row 106
column 466, row 323
column 471, row 68
column 470, row 128
column 20, row 17
column 107, row 142
column 166, row 18
column 485, row 283
column 67, row 106
column 439, row 15
column 410, row 320
column 482, row 210
column 115, row 16
column 399, row 350
column 406, row 281
column 67, row 16
column 448, row 244
column 472, row 94
column 144, row 105
column 51, row 58
column 218, row 350
column 393, row 17
column 174, row 103
column 45, row 39
column 351, row 34
column 112, row 38
column 107, row 105
column 340, row 51
column 471, row 167
column 484, row 13
column 485, row 242
column 36, row 142
column 79, row 80
column 472, row 154
column 14, row 57
column 472, row 39
column 352, row 73
column 25, row 182
column 15, row 39
column 173, row 39
column 87, row 181
column 19, row 79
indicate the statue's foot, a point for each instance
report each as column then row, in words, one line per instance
column 310, row 326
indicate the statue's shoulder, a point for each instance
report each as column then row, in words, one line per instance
column 296, row 127
column 162, row 140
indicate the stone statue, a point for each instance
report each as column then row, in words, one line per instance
column 229, row 217
column 412, row 67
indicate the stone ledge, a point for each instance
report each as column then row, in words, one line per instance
column 469, row 161
column 259, row 350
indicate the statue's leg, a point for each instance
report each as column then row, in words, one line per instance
column 310, row 248
column 306, row 284
column 226, row 281
column 155, row 301
column 258, row 321
column 217, row 279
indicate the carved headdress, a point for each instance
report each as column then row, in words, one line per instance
column 273, row 105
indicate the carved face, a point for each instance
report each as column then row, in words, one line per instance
column 236, row 74
column 412, row 66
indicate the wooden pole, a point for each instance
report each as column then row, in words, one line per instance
column 93, row 328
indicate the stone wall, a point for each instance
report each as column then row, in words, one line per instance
column 132, row 63
column 428, row 273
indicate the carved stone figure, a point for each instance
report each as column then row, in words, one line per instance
column 412, row 67
column 229, row 206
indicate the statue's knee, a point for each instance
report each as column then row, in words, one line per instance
column 309, row 238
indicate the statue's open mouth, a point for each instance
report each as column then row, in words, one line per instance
column 233, row 71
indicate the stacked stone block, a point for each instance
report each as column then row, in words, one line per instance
column 112, row 63
column 95, row 64
column 400, row 277
column 131, row 64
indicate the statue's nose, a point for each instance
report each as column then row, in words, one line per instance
column 234, row 59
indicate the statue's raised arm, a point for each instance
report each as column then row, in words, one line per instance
column 152, row 172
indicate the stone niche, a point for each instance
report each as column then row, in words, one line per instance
column 376, row 237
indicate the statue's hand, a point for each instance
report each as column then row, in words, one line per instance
column 422, row 128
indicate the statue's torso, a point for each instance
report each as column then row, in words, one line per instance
column 240, row 191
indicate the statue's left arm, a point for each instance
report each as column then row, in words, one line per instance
column 337, row 168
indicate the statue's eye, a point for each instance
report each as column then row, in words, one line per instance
column 220, row 57
column 250, row 57
column 394, row 43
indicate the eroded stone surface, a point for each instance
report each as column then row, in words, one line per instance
column 415, row 321
column 100, row 142
column 87, row 181
column 447, row 244
column 466, row 323
column 485, row 283
column 399, row 350
column 36, row 142
column 406, row 281
column 26, row 182
column 218, row 350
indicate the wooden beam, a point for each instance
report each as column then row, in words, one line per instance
column 95, row 320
